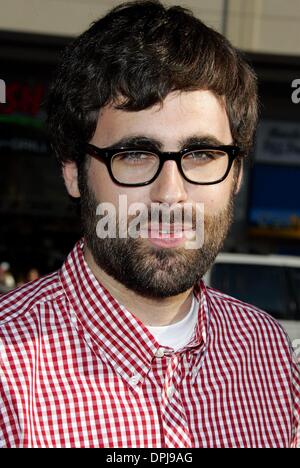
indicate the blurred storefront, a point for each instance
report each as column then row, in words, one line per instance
column 268, row 211
column 38, row 219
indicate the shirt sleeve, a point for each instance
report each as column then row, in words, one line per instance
column 296, row 401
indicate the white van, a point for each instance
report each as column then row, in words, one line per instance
column 270, row 282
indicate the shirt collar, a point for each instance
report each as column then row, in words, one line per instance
column 108, row 327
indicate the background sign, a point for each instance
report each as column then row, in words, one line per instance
column 278, row 142
column 274, row 196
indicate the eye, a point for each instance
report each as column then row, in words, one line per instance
column 204, row 155
column 135, row 157
column 201, row 155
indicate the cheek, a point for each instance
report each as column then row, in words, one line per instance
column 106, row 190
column 100, row 182
column 215, row 197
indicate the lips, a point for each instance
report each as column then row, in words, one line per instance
column 170, row 227
column 167, row 231
column 171, row 231
column 165, row 235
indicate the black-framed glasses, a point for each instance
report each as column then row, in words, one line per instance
column 135, row 167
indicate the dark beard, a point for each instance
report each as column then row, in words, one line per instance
column 152, row 272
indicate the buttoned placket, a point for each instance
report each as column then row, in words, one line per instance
column 174, row 420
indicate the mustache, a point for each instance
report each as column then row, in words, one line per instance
column 162, row 214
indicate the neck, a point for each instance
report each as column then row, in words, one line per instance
column 152, row 312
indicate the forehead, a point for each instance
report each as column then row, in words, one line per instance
column 180, row 116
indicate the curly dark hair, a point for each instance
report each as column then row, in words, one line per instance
column 140, row 52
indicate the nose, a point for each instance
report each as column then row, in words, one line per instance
column 169, row 187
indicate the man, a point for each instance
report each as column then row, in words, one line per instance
column 125, row 346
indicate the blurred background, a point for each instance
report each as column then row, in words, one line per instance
column 39, row 223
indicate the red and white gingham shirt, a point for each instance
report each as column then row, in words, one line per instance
column 79, row 370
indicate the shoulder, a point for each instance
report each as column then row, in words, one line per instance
column 246, row 321
column 25, row 300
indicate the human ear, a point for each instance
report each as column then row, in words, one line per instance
column 239, row 178
column 70, row 175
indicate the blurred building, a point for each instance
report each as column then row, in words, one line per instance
column 39, row 223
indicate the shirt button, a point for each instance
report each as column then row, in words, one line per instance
column 134, row 380
column 160, row 353
column 170, row 391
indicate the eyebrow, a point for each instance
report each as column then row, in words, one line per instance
column 153, row 143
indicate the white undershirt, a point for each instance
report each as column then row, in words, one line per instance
column 178, row 334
